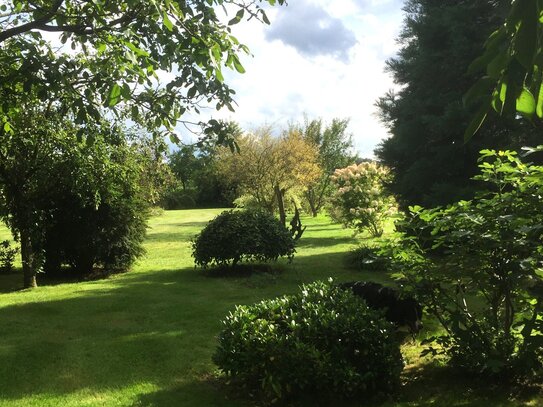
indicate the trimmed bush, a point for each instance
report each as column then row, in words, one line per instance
column 247, row 235
column 323, row 341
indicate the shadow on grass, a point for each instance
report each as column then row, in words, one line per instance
column 322, row 242
column 430, row 385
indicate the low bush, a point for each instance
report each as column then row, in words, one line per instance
column 247, row 235
column 7, row 256
column 323, row 341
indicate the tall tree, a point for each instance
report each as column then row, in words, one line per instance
column 119, row 52
column 426, row 118
column 268, row 168
column 335, row 146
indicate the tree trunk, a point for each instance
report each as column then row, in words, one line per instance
column 27, row 258
column 280, row 205
column 310, row 195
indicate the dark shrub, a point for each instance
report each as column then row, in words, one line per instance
column 247, row 235
column 7, row 256
column 323, row 341
column 369, row 258
column 98, row 212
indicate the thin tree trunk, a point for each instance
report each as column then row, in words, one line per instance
column 280, row 205
column 27, row 258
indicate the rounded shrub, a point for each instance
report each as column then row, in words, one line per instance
column 246, row 235
column 323, row 341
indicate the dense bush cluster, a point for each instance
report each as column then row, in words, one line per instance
column 98, row 212
column 484, row 284
column 244, row 235
column 322, row 341
column 7, row 256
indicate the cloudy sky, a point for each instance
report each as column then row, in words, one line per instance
column 321, row 58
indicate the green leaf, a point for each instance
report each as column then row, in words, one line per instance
column 238, row 17
column 239, row 67
column 167, row 22
column 526, row 103
column 114, row 95
column 481, row 88
column 539, row 107
column 476, row 122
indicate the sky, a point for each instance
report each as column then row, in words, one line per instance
column 318, row 58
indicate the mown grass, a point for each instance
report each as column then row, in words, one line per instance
column 145, row 338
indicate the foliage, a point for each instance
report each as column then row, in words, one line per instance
column 195, row 168
column 244, row 235
column 178, row 199
column 271, row 169
column 511, row 65
column 99, row 208
column 360, row 200
column 369, row 258
column 322, row 341
column 486, row 287
column 426, row 118
column 334, row 151
column 7, row 256
column 117, row 51
column 26, row 179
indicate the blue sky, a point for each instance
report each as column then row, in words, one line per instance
column 321, row 58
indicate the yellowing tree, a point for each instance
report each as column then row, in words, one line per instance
column 270, row 168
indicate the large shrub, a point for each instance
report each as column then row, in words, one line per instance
column 485, row 284
column 98, row 210
column 322, row 341
column 360, row 200
column 245, row 235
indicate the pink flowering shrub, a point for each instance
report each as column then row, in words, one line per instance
column 360, row 200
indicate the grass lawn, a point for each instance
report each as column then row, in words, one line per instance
column 145, row 338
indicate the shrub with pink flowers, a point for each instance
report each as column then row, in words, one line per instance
column 360, row 200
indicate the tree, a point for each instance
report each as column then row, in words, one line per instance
column 269, row 168
column 334, row 146
column 426, row 118
column 49, row 179
column 119, row 50
column 25, row 176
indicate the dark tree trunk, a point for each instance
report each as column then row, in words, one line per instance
column 27, row 258
column 280, row 204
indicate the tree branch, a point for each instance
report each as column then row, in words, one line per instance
column 4, row 35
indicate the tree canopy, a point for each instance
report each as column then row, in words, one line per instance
column 426, row 117
column 151, row 61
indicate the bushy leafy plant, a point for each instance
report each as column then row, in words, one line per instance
column 7, row 256
column 323, row 341
column 98, row 210
column 245, row 235
column 360, row 200
column 486, row 286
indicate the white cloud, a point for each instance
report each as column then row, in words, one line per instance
column 281, row 84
